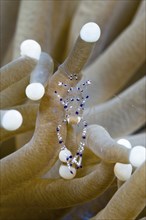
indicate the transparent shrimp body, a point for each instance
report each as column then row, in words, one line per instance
column 74, row 106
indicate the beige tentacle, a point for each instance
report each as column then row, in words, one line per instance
column 71, row 192
column 15, row 71
column 123, row 114
column 100, row 142
column 117, row 64
column 91, row 11
column 29, row 113
column 120, row 204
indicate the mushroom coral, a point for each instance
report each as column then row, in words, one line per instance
column 31, row 187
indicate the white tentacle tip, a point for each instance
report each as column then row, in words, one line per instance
column 35, row 91
column 11, row 120
column 30, row 48
column 90, row 32
column 65, row 173
column 64, row 154
column 137, row 156
column 125, row 143
column 123, row 171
